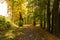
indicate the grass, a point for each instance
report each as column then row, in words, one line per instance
column 9, row 34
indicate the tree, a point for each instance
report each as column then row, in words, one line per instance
column 48, row 15
column 20, row 19
column 16, row 6
column 55, row 18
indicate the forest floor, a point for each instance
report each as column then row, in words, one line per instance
column 26, row 33
column 36, row 33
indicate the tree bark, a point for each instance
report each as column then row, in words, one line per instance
column 55, row 18
column 44, row 20
column 48, row 16
column 41, row 23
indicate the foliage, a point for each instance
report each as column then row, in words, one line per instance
column 27, row 7
column 17, row 6
column 20, row 22
column 3, row 24
column 32, row 11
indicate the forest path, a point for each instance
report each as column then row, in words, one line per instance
column 35, row 33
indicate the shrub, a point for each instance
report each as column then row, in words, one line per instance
column 8, row 24
column 3, row 24
column 20, row 22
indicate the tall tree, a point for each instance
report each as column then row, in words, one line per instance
column 48, row 15
column 44, row 20
column 55, row 18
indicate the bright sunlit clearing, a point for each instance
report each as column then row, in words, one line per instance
column 3, row 8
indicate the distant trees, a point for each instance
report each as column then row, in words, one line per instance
column 55, row 29
column 35, row 10
column 55, row 16
column 16, row 6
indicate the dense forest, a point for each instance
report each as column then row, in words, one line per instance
column 31, row 16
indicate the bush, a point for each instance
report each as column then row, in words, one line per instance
column 20, row 22
column 3, row 24
column 9, row 26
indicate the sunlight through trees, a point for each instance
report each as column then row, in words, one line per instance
column 30, row 19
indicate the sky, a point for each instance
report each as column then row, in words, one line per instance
column 3, row 8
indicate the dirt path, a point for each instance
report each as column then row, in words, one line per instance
column 35, row 34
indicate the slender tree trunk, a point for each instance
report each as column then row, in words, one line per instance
column 20, row 16
column 48, row 16
column 34, row 20
column 44, row 20
column 34, row 23
column 41, row 23
column 55, row 18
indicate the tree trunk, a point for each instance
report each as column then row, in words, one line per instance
column 20, row 20
column 34, row 23
column 44, row 20
column 55, row 18
column 41, row 23
column 48, row 16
